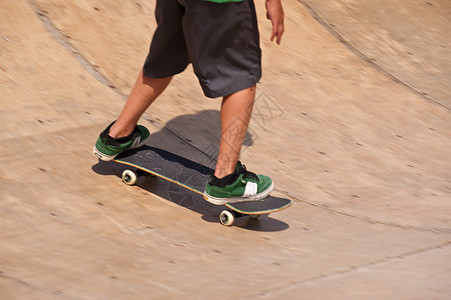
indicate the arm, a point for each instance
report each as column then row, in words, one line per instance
column 274, row 13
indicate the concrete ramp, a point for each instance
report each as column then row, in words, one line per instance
column 345, row 130
column 408, row 40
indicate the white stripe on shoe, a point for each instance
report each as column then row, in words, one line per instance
column 135, row 143
column 251, row 189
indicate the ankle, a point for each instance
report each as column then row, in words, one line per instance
column 225, row 168
column 117, row 132
column 223, row 181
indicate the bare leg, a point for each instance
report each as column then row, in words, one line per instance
column 144, row 92
column 236, row 112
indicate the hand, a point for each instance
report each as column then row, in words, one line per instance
column 274, row 12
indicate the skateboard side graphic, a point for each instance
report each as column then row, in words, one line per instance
column 192, row 176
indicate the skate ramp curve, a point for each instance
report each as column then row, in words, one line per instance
column 407, row 40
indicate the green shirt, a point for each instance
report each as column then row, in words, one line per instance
column 224, row 1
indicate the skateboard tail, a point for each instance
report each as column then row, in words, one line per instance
column 158, row 175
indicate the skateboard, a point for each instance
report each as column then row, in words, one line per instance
column 192, row 176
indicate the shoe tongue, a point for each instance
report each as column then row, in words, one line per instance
column 239, row 168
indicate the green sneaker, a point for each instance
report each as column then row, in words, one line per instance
column 238, row 187
column 107, row 148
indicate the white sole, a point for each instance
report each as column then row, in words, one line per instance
column 102, row 156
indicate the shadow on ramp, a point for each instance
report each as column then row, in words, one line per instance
column 188, row 199
column 169, row 146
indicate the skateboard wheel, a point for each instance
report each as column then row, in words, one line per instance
column 254, row 216
column 227, row 218
column 129, row 177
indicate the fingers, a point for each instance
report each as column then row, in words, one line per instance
column 277, row 31
column 275, row 13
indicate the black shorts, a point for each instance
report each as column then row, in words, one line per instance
column 221, row 40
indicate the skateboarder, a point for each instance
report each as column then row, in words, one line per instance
column 221, row 40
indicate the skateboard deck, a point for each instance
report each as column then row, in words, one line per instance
column 192, row 176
